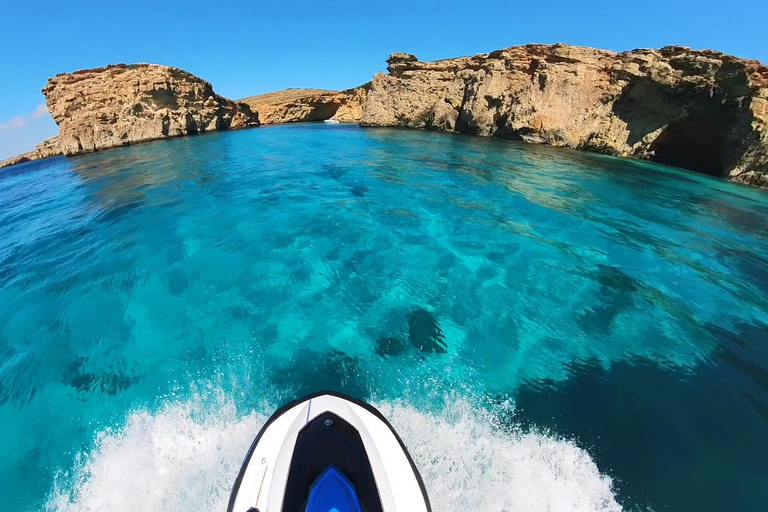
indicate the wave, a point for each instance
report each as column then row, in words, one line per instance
column 186, row 455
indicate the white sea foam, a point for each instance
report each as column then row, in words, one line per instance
column 469, row 464
column 183, row 458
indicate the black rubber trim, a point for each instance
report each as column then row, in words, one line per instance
column 291, row 405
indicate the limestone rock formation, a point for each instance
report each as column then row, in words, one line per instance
column 125, row 104
column 700, row 110
column 47, row 148
column 295, row 105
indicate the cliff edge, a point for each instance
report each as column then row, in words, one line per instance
column 700, row 110
column 124, row 104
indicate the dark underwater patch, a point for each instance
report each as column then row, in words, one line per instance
column 497, row 256
column 672, row 439
column 177, row 282
column 613, row 280
column 239, row 312
column 312, row 371
column 333, row 255
column 300, row 272
column 615, row 295
column 269, row 333
column 271, row 193
column 334, row 171
column 743, row 351
column 13, row 389
column 117, row 212
column 354, row 262
column 749, row 220
column 17, row 393
column 749, row 264
column 425, row 333
column 390, row 346
column 358, row 191
column 109, row 383
column 487, row 272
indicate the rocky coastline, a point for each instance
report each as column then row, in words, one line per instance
column 699, row 110
column 696, row 109
column 46, row 149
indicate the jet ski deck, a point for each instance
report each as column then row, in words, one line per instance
column 328, row 451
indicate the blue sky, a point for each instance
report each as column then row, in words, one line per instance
column 246, row 48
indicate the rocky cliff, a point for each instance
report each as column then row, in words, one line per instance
column 47, row 148
column 295, row 105
column 125, row 104
column 700, row 110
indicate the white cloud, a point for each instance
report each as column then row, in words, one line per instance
column 15, row 122
column 18, row 121
column 40, row 111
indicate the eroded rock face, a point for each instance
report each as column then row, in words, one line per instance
column 47, row 148
column 125, row 104
column 297, row 105
column 700, row 110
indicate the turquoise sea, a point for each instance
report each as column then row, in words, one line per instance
column 549, row 330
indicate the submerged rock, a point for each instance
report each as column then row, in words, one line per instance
column 425, row 333
column 124, row 104
column 358, row 191
column 700, row 110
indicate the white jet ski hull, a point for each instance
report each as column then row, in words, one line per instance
column 326, row 447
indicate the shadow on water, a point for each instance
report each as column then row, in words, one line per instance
column 676, row 441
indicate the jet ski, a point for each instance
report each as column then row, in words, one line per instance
column 328, row 452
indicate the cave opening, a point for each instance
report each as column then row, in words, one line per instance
column 692, row 143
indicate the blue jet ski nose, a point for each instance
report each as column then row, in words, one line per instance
column 332, row 492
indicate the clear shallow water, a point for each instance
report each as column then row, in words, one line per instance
column 604, row 320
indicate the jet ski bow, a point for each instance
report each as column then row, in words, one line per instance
column 328, row 452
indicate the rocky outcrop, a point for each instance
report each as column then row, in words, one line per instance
column 125, row 104
column 700, row 110
column 296, row 105
column 47, row 148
